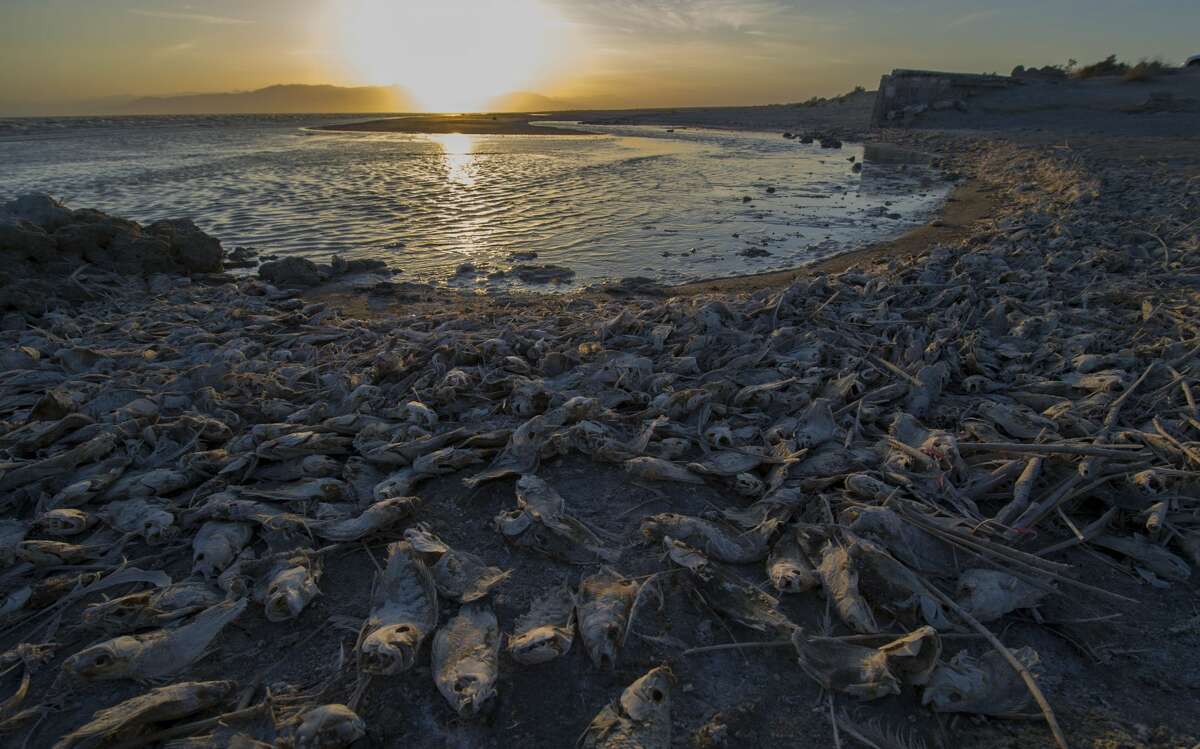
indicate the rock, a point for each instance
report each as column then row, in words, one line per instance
column 522, row 257
column 133, row 254
column 538, row 274
column 196, row 251
column 39, row 209
column 342, row 267
column 241, row 257
column 856, row 168
column 830, row 142
column 290, row 271
column 26, row 241
column 92, row 238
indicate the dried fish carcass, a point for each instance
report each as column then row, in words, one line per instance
column 466, row 654
column 640, row 719
column 156, row 654
column 404, row 611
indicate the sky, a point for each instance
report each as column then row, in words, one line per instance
column 457, row 53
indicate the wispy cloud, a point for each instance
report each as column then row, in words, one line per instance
column 970, row 18
column 171, row 15
column 677, row 16
column 175, row 49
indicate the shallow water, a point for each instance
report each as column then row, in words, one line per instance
column 623, row 201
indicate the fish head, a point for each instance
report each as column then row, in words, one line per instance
column 513, row 523
column 656, row 527
column 329, row 727
column 288, row 594
column 649, row 698
column 603, row 639
column 470, row 692
column 108, row 660
column 789, row 578
column 391, row 649
column 539, row 645
column 158, row 527
column 956, row 687
column 118, row 615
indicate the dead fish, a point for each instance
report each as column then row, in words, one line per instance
column 55, row 553
column 547, row 630
column 640, row 719
column 727, row 594
column 466, row 654
column 311, row 490
column 445, row 461
column 60, row 464
column 404, row 610
column 377, row 518
column 655, row 469
column 604, row 606
column 217, row 544
column 44, row 593
column 301, row 443
column 839, row 578
column 332, row 726
column 139, row 517
column 89, row 483
column 720, row 541
column 888, row 585
column 869, row 673
column 1146, row 554
column 546, row 507
column 159, row 482
column 126, row 720
column 66, row 522
column 150, row 608
column 459, row 575
column 157, row 654
column 817, row 426
column 990, row 594
column 987, row 685
column 289, row 585
column 788, row 566
column 727, row 463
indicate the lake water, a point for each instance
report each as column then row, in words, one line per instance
column 622, row 201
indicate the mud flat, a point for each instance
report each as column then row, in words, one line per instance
column 944, row 494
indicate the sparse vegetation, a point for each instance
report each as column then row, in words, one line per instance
column 1147, row 70
column 817, row 101
column 1109, row 66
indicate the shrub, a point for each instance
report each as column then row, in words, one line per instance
column 1106, row 67
column 1146, row 70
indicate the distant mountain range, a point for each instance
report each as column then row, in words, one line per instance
column 283, row 99
column 525, row 101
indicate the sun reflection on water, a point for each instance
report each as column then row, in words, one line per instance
column 457, row 157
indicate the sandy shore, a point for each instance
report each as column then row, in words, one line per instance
column 1009, row 393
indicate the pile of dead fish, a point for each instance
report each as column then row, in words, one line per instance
column 914, row 446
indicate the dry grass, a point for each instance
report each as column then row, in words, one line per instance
column 1147, row 70
column 1109, row 66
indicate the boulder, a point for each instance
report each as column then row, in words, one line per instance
column 341, row 267
column 39, row 209
column 290, row 271
column 25, row 241
column 196, row 251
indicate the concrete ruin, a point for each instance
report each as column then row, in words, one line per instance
column 907, row 93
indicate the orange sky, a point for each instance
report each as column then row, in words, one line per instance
column 453, row 54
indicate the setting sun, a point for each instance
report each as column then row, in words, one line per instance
column 452, row 56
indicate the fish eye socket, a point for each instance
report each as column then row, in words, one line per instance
column 657, row 695
column 102, row 659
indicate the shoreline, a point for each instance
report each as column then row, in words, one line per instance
column 475, row 124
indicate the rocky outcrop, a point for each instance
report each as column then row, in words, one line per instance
column 43, row 242
column 39, row 235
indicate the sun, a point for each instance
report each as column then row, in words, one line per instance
column 449, row 55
